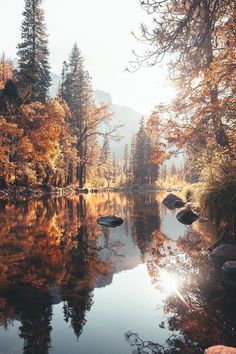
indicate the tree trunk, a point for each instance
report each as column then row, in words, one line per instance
column 220, row 135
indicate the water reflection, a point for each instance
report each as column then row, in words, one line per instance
column 52, row 251
column 199, row 307
column 145, row 219
column 60, row 272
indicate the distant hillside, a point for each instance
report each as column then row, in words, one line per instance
column 122, row 115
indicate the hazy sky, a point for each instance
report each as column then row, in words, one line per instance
column 102, row 29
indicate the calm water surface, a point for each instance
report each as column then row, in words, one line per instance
column 68, row 285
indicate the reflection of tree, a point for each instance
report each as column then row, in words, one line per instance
column 206, row 320
column 33, row 308
column 35, row 330
column 48, row 244
column 75, row 308
column 201, row 312
column 145, row 219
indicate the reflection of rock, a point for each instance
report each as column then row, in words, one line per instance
column 110, row 221
column 223, row 253
column 186, row 216
column 170, row 201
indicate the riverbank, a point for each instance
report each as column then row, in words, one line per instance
column 40, row 192
column 17, row 192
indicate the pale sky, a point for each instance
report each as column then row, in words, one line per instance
column 102, row 29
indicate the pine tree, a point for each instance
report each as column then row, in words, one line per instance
column 145, row 172
column 106, row 161
column 34, row 74
column 126, row 157
column 76, row 90
column 105, row 153
column 114, row 166
column 132, row 159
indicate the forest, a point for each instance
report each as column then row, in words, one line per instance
column 65, row 141
column 47, row 143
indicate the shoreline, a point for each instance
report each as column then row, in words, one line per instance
column 70, row 190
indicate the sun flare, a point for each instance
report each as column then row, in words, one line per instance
column 169, row 281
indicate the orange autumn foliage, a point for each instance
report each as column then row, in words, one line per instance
column 201, row 37
column 36, row 144
column 6, row 71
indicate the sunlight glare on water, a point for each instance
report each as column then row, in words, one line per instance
column 169, row 281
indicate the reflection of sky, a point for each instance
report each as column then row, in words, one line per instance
column 8, row 342
column 125, row 250
column 129, row 303
column 170, row 226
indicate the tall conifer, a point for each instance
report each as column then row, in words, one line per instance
column 145, row 172
column 33, row 53
column 76, row 90
column 106, row 152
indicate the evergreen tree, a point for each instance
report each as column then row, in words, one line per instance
column 33, row 73
column 105, row 150
column 145, row 172
column 106, row 161
column 114, row 166
column 126, row 157
column 76, row 90
column 132, row 159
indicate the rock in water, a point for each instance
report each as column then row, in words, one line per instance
column 221, row 349
column 223, row 253
column 110, row 221
column 179, row 204
column 229, row 268
column 169, row 201
column 187, row 217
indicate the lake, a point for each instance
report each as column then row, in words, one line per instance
column 69, row 285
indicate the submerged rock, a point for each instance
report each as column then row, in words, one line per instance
column 187, row 217
column 223, row 253
column 170, row 201
column 110, row 221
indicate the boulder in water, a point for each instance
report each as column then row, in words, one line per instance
column 229, row 268
column 169, row 201
column 179, row 204
column 110, row 221
column 221, row 349
column 187, row 217
column 223, row 253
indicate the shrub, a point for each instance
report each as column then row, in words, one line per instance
column 217, row 198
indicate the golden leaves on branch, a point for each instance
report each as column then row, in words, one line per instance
column 35, row 143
